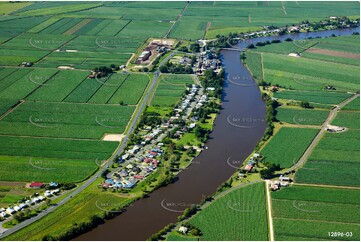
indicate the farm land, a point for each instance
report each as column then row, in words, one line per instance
column 52, row 120
column 313, row 206
column 238, row 215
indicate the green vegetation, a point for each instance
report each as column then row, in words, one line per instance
column 329, row 98
column 334, row 161
column 238, row 215
column 254, row 63
column 310, row 213
column 287, row 146
column 353, row 105
column 350, row 120
column 170, row 88
column 301, row 116
column 45, row 169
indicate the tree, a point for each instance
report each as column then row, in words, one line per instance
column 305, row 104
column 194, row 47
column 183, row 49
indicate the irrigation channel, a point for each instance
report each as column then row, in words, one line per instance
column 238, row 128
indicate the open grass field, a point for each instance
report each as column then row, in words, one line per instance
column 287, row 47
column 45, row 169
column 330, row 98
column 301, row 116
column 239, row 215
column 66, row 120
column 342, row 43
column 170, row 89
column 145, row 29
column 60, row 9
column 287, row 146
column 309, row 213
column 334, row 161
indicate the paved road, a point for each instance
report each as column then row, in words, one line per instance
column 120, row 149
column 318, row 137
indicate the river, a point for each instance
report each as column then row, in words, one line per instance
column 237, row 130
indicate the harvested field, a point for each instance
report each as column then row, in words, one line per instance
column 334, row 53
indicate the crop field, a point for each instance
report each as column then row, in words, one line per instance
column 170, row 88
column 330, row 98
column 301, row 116
column 65, row 120
column 26, row 84
column 109, row 85
column 337, row 59
column 56, row 87
column 7, row 8
column 45, row 169
column 59, row 9
column 239, row 215
column 334, row 161
column 310, row 213
column 189, row 30
column 348, row 119
column 342, row 43
column 145, row 29
column 254, row 63
column 61, row 26
column 29, row 48
column 353, row 105
column 287, row 47
column 131, row 90
column 315, row 68
column 56, row 148
column 287, row 146
column 113, row 28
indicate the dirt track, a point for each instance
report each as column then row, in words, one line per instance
column 334, row 53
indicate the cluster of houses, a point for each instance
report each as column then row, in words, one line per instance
column 7, row 212
column 142, row 159
column 129, row 175
column 284, row 181
column 207, row 60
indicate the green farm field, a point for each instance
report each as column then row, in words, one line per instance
column 347, row 119
column 287, row 146
column 62, row 120
column 329, row 98
column 297, row 209
column 301, row 116
column 238, row 215
column 170, row 88
column 335, row 150
column 46, row 169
